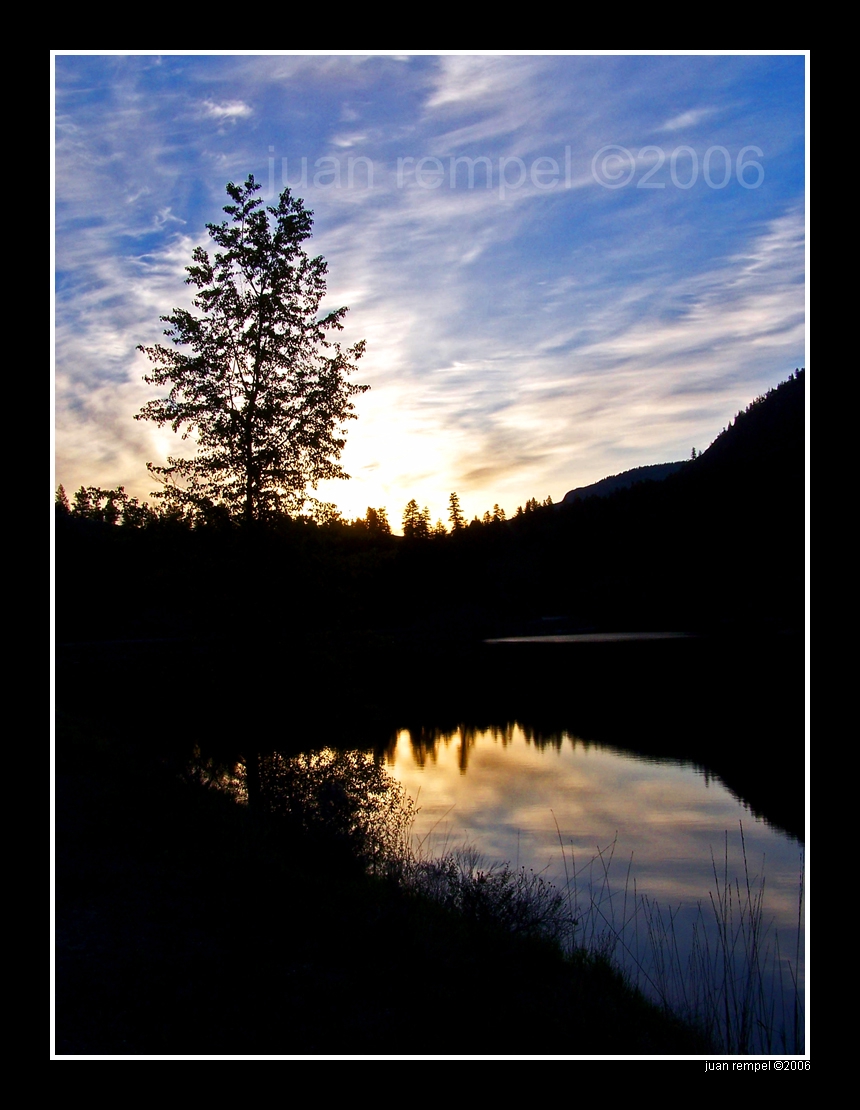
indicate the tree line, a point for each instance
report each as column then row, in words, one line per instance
column 116, row 507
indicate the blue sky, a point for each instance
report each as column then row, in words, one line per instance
column 632, row 276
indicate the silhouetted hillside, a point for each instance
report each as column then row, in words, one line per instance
column 625, row 480
column 717, row 543
column 767, row 436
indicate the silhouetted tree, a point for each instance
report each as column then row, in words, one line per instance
column 106, row 506
column 411, row 519
column 416, row 522
column 326, row 513
column 61, row 503
column 377, row 522
column 263, row 388
column 94, row 503
column 455, row 515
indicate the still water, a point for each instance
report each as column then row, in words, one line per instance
column 625, row 826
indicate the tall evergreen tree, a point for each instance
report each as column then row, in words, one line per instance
column 411, row 520
column 455, row 515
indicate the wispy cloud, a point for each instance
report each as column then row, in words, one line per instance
column 231, row 110
column 689, row 119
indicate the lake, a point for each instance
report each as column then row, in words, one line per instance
column 617, row 822
column 628, row 762
column 648, row 777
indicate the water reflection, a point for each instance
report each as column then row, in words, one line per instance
column 425, row 742
column 554, row 802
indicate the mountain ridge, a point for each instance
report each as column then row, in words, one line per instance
column 754, row 438
column 656, row 472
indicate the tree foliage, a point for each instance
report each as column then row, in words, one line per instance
column 416, row 522
column 345, row 799
column 104, row 506
column 455, row 514
column 376, row 522
column 253, row 374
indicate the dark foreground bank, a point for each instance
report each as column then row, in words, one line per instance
column 186, row 925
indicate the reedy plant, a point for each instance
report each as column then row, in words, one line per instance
column 731, row 984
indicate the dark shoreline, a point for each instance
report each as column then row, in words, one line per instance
column 185, row 925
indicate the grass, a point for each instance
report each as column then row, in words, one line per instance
column 517, row 900
column 729, row 978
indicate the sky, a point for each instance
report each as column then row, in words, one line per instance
column 563, row 265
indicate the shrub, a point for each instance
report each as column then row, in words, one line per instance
column 346, row 799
